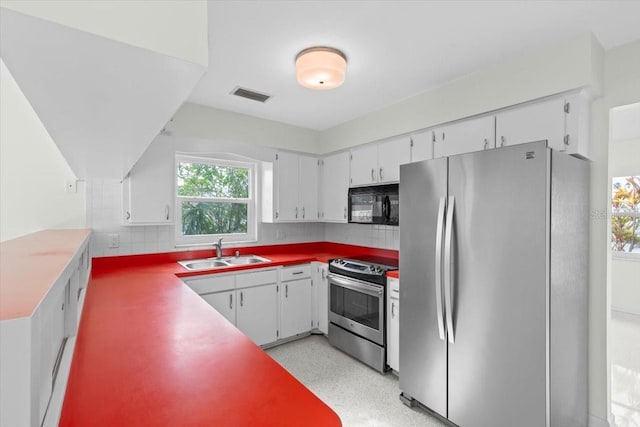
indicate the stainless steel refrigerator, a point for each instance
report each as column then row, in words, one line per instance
column 493, row 287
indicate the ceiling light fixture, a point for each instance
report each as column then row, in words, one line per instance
column 321, row 68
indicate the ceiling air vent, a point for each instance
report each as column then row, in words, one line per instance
column 250, row 94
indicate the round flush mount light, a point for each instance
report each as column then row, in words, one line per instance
column 321, row 68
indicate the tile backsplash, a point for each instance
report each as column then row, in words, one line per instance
column 104, row 210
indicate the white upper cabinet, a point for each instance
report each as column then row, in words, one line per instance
column 334, row 187
column 562, row 121
column 577, row 123
column 421, row 146
column 392, row 154
column 287, row 186
column 464, row 137
column 308, row 191
column 533, row 122
column 364, row 165
column 290, row 188
column 380, row 162
column 148, row 190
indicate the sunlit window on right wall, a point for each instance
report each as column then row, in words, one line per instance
column 625, row 215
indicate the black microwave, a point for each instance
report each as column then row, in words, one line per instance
column 374, row 205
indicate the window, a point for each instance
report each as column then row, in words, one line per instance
column 625, row 215
column 214, row 198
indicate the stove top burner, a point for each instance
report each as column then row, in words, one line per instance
column 368, row 268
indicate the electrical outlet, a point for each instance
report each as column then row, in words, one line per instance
column 280, row 235
column 114, row 240
column 71, row 186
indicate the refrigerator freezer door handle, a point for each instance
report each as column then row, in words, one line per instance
column 448, row 268
column 438, row 281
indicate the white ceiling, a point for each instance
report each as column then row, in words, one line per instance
column 395, row 49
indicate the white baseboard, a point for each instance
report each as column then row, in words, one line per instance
column 597, row 422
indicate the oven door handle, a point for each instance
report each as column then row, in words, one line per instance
column 365, row 288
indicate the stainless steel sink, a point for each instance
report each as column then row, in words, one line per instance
column 245, row 259
column 202, row 264
column 213, row 263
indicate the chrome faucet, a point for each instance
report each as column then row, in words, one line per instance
column 218, row 247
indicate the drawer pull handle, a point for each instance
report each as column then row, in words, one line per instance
column 295, row 273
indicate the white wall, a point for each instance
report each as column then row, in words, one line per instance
column 171, row 27
column 219, row 125
column 33, row 172
column 625, row 285
column 621, row 87
column 624, row 160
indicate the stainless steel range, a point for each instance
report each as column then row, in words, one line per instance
column 357, row 307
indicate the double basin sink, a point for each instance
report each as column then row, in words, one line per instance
column 210, row 263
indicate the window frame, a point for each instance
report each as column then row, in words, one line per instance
column 613, row 213
column 251, row 202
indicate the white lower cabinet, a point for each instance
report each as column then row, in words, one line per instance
column 393, row 324
column 321, row 297
column 295, row 300
column 248, row 300
column 264, row 307
column 257, row 313
column 224, row 302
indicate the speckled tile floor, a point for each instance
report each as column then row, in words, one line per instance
column 359, row 395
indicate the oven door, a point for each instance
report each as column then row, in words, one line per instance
column 357, row 306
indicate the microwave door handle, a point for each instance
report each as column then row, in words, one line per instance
column 448, row 269
column 438, row 269
column 384, row 207
column 387, row 203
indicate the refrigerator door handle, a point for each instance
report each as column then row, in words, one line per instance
column 438, row 281
column 448, row 268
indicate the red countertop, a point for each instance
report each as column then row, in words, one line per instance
column 150, row 351
column 30, row 265
column 395, row 274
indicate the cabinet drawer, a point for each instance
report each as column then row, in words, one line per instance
column 256, row 278
column 295, row 272
column 213, row 283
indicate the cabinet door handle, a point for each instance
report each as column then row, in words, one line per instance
column 127, row 215
column 345, row 213
column 166, row 212
column 373, row 174
column 486, row 143
column 323, row 274
column 501, row 141
column 241, row 299
column 286, row 291
column 393, row 307
column 433, row 136
column 303, row 213
column 381, row 174
column 230, row 301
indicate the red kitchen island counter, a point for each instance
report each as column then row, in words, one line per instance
column 151, row 352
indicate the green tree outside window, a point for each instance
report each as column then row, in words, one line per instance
column 625, row 218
